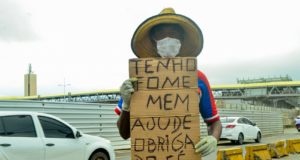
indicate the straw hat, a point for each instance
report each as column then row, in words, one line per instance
column 191, row 46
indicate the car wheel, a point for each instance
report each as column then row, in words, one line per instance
column 258, row 139
column 99, row 156
column 240, row 139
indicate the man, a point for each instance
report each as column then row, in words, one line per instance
column 170, row 35
column 297, row 123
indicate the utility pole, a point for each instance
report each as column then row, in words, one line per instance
column 64, row 85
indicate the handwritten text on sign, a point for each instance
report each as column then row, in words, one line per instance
column 164, row 115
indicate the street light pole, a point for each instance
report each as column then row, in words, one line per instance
column 64, row 85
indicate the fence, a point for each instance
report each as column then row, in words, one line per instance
column 100, row 119
column 91, row 118
column 289, row 115
column 270, row 122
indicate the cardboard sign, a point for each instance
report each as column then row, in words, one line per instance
column 164, row 115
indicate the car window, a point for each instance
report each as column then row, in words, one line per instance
column 1, row 128
column 247, row 121
column 240, row 120
column 18, row 126
column 55, row 129
column 227, row 120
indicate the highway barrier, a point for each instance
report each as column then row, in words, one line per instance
column 293, row 145
column 258, row 152
column 230, row 154
column 277, row 149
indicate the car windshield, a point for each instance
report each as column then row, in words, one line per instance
column 227, row 120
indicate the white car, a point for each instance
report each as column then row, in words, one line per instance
column 38, row 136
column 239, row 129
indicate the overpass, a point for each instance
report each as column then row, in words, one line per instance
column 98, row 96
column 285, row 93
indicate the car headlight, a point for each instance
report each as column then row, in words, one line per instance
column 108, row 141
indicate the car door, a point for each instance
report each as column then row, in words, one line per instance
column 19, row 139
column 60, row 141
column 251, row 129
column 247, row 129
column 243, row 127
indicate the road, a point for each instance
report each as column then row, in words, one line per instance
column 288, row 134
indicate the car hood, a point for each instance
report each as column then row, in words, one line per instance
column 90, row 138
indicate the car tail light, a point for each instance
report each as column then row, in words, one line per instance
column 230, row 126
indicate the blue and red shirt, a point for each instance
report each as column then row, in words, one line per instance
column 207, row 105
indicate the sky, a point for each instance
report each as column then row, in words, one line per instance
column 87, row 43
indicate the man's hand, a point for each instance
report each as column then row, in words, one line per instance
column 206, row 145
column 126, row 90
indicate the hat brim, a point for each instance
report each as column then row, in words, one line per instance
column 192, row 44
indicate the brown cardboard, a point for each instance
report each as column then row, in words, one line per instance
column 154, row 65
column 165, row 102
column 186, row 154
column 166, row 80
column 170, row 125
column 164, row 115
column 171, row 137
column 164, row 73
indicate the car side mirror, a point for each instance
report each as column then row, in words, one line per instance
column 78, row 134
column 254, row 124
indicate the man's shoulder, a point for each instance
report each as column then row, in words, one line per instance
column 201, row 75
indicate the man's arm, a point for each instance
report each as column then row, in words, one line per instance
column 209, row 113
column 215, row 129
column 208, row 108
column 123, row 124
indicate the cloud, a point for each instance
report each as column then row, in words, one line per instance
column 15, row 23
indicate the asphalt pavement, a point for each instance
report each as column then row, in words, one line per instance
column 289, row 133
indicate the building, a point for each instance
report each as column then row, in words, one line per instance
column 30, row 84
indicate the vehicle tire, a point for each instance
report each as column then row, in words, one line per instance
column 99, row 156
column 240, row 140
column 258, row 139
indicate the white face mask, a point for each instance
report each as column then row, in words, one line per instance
column 168, row 47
